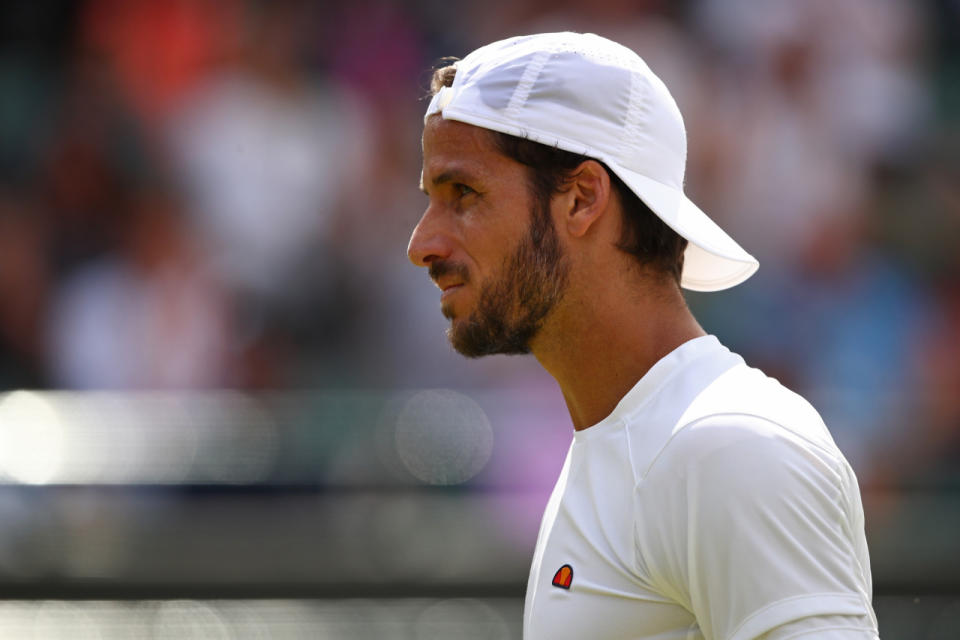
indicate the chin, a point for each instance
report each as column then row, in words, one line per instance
column 476, row 340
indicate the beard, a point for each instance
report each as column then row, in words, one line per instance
column 511, row 309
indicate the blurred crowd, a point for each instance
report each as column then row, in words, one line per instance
column 199, row 195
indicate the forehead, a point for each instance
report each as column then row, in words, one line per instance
column 449, row 145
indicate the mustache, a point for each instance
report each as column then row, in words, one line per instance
column 440, row 268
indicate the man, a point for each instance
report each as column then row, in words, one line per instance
column 700, row 498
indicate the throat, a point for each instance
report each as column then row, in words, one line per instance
column 597, row 362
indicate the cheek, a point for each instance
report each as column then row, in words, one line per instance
column 496, row 231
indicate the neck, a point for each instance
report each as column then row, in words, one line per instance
column 599, row 345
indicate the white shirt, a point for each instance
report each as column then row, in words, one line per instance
column 712, row 503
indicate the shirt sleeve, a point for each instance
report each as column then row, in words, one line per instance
column 754, row 531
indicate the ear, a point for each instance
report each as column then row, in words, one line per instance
column 587, row 197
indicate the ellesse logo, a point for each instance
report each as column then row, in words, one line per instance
column 563, row 577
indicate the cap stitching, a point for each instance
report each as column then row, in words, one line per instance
column 525, row 85
column 631, row 129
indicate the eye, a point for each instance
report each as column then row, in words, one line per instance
column 462, row 190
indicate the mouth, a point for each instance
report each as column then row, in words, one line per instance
column 448, row 276
column 449, row 290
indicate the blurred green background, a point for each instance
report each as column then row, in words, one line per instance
column 227, row 406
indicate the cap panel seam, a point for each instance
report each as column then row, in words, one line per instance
column 525, row 85
column 631, row 132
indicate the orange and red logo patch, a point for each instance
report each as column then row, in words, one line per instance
column 563, row 577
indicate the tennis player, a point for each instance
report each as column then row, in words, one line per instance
column 700, row 498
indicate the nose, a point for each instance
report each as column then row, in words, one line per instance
column 428, row 242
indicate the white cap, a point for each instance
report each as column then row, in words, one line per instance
column 588, row 95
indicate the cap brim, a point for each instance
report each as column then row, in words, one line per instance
column 713, row 260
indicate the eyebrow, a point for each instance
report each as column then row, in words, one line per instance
column 452, row 175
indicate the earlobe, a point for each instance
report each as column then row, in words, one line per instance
column 588, row 197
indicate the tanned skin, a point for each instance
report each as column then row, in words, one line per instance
column 614, row 318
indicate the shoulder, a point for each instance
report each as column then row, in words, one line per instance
column 743, row 412
column 749, row 489
column 747, row 459
column 737, row 499
column 743, row 457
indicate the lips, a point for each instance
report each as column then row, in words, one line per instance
column 446, row 274
column 449, row 290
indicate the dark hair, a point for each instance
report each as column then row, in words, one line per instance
column 644, row 235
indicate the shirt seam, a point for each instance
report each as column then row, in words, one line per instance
column 807, row 632
column 740, row 414
column 634, row 516
column 831, row 594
